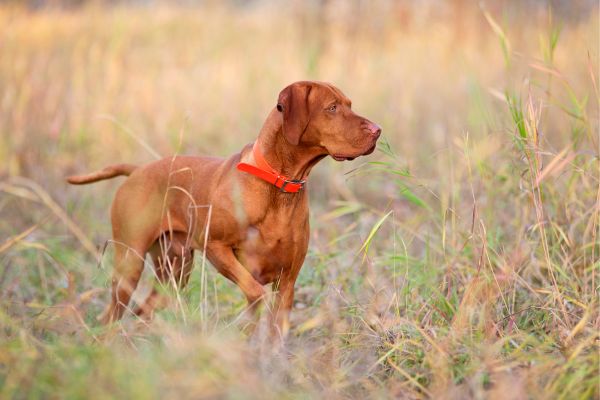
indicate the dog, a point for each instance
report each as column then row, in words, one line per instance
column 248, row 212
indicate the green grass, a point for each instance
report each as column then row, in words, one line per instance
column 459, row 261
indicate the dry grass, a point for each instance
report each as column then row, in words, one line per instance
column 460, row 261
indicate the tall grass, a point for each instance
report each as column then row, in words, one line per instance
column 460, row 261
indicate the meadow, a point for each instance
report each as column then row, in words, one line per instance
column 460, row 260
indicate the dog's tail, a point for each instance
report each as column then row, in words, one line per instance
column 109, row 172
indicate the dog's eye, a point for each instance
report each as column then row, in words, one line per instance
column 332, row 108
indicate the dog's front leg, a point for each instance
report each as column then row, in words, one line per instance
column 223, row 259
column 284, row 300
column 280, row 318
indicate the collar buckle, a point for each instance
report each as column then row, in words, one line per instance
column 298, row 182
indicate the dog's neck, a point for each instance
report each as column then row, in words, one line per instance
column 294, row 162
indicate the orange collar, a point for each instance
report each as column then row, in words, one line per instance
column 265, row 172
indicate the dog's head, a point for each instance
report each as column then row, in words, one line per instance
column 319, row 114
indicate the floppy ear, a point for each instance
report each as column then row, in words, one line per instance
column 293, row 104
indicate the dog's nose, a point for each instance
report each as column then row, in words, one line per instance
column 374, row 129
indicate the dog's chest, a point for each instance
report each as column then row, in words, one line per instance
column 276, row 244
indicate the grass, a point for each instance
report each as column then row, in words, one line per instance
column 459, row 261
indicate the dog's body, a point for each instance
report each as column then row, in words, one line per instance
column 253, row 232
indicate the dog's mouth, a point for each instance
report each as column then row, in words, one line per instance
column 343, row 157
column 371, row 149
column 338, row 157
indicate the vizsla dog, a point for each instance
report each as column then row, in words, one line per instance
column 249, row 211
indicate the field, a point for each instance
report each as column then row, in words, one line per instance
column 460, row 260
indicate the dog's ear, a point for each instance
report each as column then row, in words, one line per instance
column 294, row 105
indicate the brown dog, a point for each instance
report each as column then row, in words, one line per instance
column 249, row 211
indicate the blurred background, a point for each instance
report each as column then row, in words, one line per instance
column 87, row 84
column 460, row 258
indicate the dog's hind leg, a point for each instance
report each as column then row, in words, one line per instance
column 173, row 263
column 129, row 264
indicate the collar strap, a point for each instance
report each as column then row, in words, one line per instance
column 265, row 172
